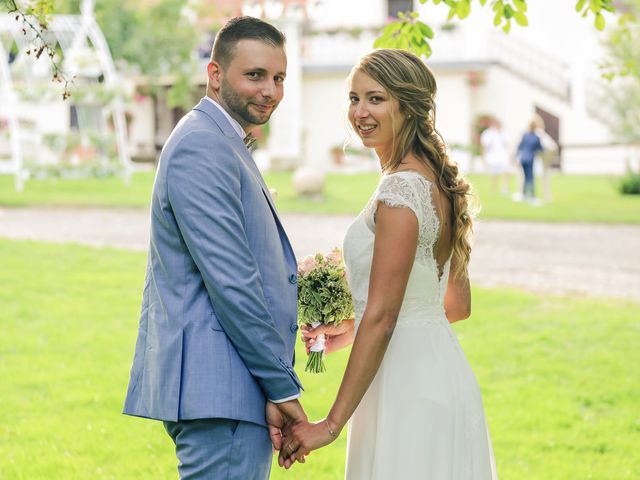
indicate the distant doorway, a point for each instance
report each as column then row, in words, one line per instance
column 552, row 127
column 396, row 6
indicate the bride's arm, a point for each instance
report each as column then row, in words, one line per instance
column 394, row 252
column 457, row 299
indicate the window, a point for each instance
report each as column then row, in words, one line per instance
column 395, row 6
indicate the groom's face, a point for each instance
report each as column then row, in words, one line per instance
column 252, row 84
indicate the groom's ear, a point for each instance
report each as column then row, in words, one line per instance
column 214, row 73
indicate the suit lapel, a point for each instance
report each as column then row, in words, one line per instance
column 258, row 176
column 239, row 147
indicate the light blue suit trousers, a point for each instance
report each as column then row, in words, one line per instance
column 221, row 449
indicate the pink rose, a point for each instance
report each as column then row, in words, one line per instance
column 307, row 265
column 335, row 257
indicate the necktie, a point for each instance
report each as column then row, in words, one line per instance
column 249, row 141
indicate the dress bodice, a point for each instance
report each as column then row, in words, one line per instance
column 424, row 296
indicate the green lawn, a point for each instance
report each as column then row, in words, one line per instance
column 86, row 192
column 559, row 376
column 575, row 198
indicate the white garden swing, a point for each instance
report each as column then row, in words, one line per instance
column 85, row 57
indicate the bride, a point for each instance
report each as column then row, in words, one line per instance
column 414, row 403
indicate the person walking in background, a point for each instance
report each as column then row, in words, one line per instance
column 529, row 146
column 495, row 153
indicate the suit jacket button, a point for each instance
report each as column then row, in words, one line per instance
column 294, row 327
column 293, row 279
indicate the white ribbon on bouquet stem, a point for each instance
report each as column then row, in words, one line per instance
column 318, row 346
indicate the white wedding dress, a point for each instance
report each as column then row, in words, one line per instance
column 422, row 417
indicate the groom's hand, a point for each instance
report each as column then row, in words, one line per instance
column 275, row 423
column 292, row 413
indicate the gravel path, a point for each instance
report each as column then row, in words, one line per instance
column 596, row 260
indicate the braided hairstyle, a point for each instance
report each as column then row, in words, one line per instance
column 406, row 78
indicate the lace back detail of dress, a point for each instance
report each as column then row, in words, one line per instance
column 411, row 190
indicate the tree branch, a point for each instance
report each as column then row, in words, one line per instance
column 38, row 26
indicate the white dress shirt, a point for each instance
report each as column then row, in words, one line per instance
column 236, row 126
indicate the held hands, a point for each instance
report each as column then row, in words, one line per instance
column 281, row 417
column 293, row 436
column 306, row 437
column 336, row 337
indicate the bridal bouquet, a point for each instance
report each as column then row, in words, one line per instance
column 324, row 297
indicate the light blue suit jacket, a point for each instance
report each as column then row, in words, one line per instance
column 218, row 323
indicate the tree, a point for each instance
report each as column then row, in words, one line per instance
column 412, row 34
column 35, row 19
column 156, row 36
column 622, row 67
column 157, row 39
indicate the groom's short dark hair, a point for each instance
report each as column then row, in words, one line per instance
column 243, row 28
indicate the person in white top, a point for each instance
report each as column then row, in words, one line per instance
column 495, row 153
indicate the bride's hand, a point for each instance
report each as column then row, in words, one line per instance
column 336, row 337
column 306, row 437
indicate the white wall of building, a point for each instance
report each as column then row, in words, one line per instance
column 454, row 107
column 353, row 13
column 141, row 128
column 557, row 43
column 324, row 116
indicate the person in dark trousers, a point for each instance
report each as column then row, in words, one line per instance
column 529, row 146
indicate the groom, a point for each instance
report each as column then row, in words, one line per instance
column 217, row 330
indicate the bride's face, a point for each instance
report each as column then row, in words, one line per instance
column 373, row 113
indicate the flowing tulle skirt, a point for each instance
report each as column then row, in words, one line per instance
column 422, row 417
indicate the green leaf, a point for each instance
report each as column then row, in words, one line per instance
column 425, row 29
column 521, row 19
column 507, row 27
column 508, row 11
column 599, row 21
column 380, row 42
column 391, row 28
column 520, row 5
column 497, row 19
column 463, row 9
column 580, row 5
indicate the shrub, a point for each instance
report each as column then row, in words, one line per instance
column 630, row 184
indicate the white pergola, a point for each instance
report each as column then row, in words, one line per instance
column 77, row 36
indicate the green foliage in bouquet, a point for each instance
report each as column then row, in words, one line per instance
column 324, row 296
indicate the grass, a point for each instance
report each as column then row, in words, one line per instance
column 559, row 376
column 86, row 192
column 576, row 198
